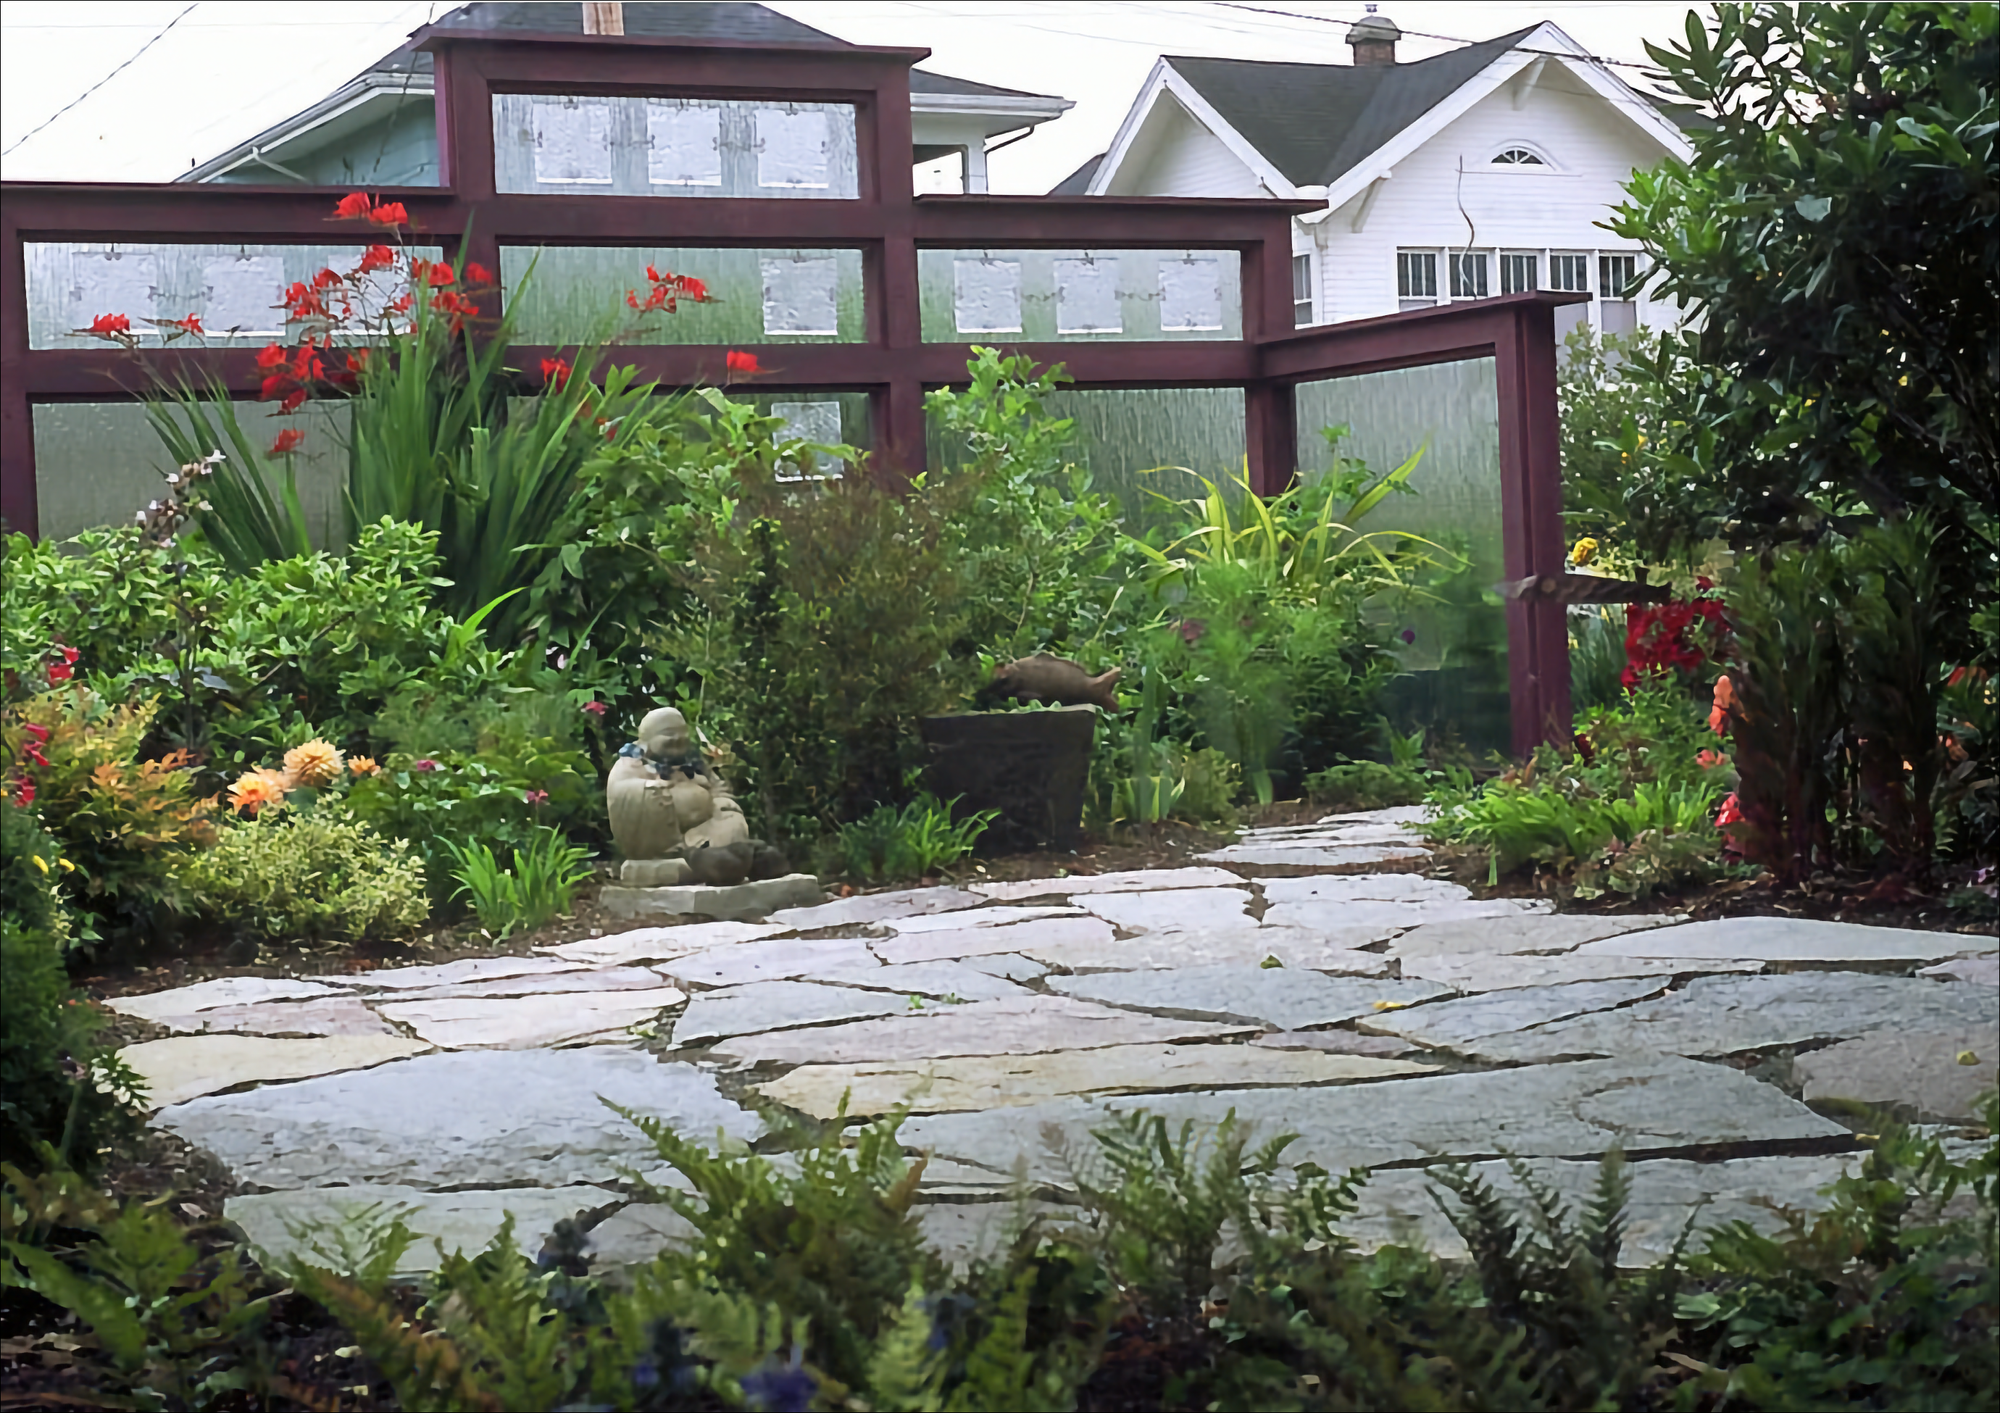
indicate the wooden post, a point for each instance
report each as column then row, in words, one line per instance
column 603, row 19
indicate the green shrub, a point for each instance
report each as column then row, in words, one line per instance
column 536, row 890
column 912, row 842
column 1366, row 785
column 321, row 874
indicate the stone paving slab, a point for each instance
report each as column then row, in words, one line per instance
column 1499, row 973
column 772, row 959
column 1784, row 939
column 585, row 979
column 1394, row 814
column 333, row 1015
column 1975, row 971
column 1077, row 885
column 1179, row 910
column 1249, row 945
column 1330, row 856
column 995, row 915
column 1519, row 933
column 1345, row 915
column 215, row 995
column 523, row 1022
column 1937, row 1074
column 1026, row 1026
column 1000, row 1081
column 1009, row 965
column 184, row 1067
column 469, row 1118
column 1448, row 1024
column 1726, row 1015
column 939, row 980
column 1335, row 1042
column 661, row 944
column 459, row 973
column 1364, row 887
column 1283, row 997
column 1048, row 935
column 1554, row 1110
column 776, row 1005
column 866, row 909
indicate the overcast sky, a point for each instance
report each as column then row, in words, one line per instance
column 231, row 68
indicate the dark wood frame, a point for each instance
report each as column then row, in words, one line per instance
column 889, row 224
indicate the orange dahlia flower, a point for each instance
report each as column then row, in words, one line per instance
column 315, row 763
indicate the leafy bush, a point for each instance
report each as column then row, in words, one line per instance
column 912, row 842
column 318, row 874
column 1366, row 785
column 536, row 890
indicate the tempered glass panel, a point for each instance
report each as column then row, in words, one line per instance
column 1456, row 653
column 101, row 463
column 231, row 287
column 1047, row 295
column 578, row 295
column 674, row 147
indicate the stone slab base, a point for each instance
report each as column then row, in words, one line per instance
column 653, row 873
column 756, row 899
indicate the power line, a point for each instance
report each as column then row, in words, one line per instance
column 1420, row 34
column 106, row 79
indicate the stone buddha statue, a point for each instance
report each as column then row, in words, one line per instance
column 673, row 817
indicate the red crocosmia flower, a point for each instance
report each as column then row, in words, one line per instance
column 596, row 708
column 38, row 733
column 270, row 356
column 390, row 214
column 287, row 442
column 105, row 325
column 294, row 401
column 1709, row 760
column 377, row 257
column 357, row 360
column 1729, row 814
column 402, row 305
column 352, row 207
column 274, row 386
column 326, row 278
column 59, row 672
column 189, row 325
column 25, row 794
column 738, row 361
column 555, row 372
column 477, row 274
column 424, row 272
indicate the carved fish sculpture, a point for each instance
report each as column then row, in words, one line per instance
column 1043, row 678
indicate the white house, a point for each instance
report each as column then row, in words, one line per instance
column 1479, row 172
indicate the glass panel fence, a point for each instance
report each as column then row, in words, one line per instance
column 237, row 291
column 674, row 147
column 101, row 463
column 1452, row 637
column 1042, row 296
column 580, row 295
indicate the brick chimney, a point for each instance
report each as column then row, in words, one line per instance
column 603, row 19
column 1374, row 40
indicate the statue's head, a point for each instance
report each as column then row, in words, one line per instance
column 664, row 733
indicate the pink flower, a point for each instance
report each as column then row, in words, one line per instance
column 536, row 797
column 426, row 765
column 596, row 708
column 1709, row 760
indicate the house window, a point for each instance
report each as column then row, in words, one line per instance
column 1468, row 276
column 1302, row 291
column 1569, row 272
column 1617, row 276
column 1416, row 278
column 1518, row 157
column 1517, row 274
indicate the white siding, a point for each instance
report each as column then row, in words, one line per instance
column 1185, row 159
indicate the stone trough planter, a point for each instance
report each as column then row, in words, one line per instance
column 1031, row 766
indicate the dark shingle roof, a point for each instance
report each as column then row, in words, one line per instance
column 1316, row 121
column 1077, row 183
column 741, row 23
column 925, row 82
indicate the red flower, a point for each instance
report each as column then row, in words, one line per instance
column 274, row 387
column 326, row 278
column 189, row 325
column 477, row 274
column 107, row 325
column 293, row 401
column 24, row 792
column 377, row 257
column 41, row 733
column 352, row 207
column 535, row 797
column 58, row 672
column 692, row 288
column 390, row 214
column 1709, row 760
column 357, row 360
column 596, row 708
column 1728, row 814
column 287, row 442
column 555, row 372
column 426, row 765
column 402, row 305
column 425, row 272
column 736, row 361
column 270, row 356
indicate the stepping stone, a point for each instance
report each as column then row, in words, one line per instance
column 1449, row 1024
column 1519, row 933
column 868, row 908
column 1329, row 836
column 594, row 979
column 1370, row 887
column 1579, row 1109
column 1282, row 997
column 459, row 973
column 1395, row 814
column 216, row 994
column 1247, row 946
column 1725, row 1015
column 1043, row 936
column 1182, row 910
column 1937, row 1074
column 1784, row 939
column 742, row 902
column 1129, row 880
column 1334, row 1042
column 660, row 944
column 985, row 917
column 1343, row 856
column 1006, row 965
column 187, row 1066
column 336, row 1015
column 961, row 980
column 636, row 1235
column 1497, row 973
column 463, row 1222
column 1017, row 1026
column 1974, row 971
column 523, row 1022
column 774, row 959
column 1329, row 914
column 474, row 1118
column 776, row 1005
column 997, row 1081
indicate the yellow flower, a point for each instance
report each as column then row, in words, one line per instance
column 39, row 863
column 315, row 763
column 257, row 788
column 65, row 865
column 1585, row 551
column 362, row 765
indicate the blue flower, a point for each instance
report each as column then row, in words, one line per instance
column 644, row 1374
column 781, row 1388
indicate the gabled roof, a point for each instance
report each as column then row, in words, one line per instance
column 1077, row 183
column 1314, row 122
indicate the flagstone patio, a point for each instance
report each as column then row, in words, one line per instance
column 1388, row 1018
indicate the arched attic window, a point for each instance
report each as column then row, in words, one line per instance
column 1521, row 156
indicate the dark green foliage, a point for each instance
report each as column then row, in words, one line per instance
column 1366, row 785
column 912, row 842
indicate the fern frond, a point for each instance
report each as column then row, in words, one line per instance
column 428, row 1371
column 906, row 1375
